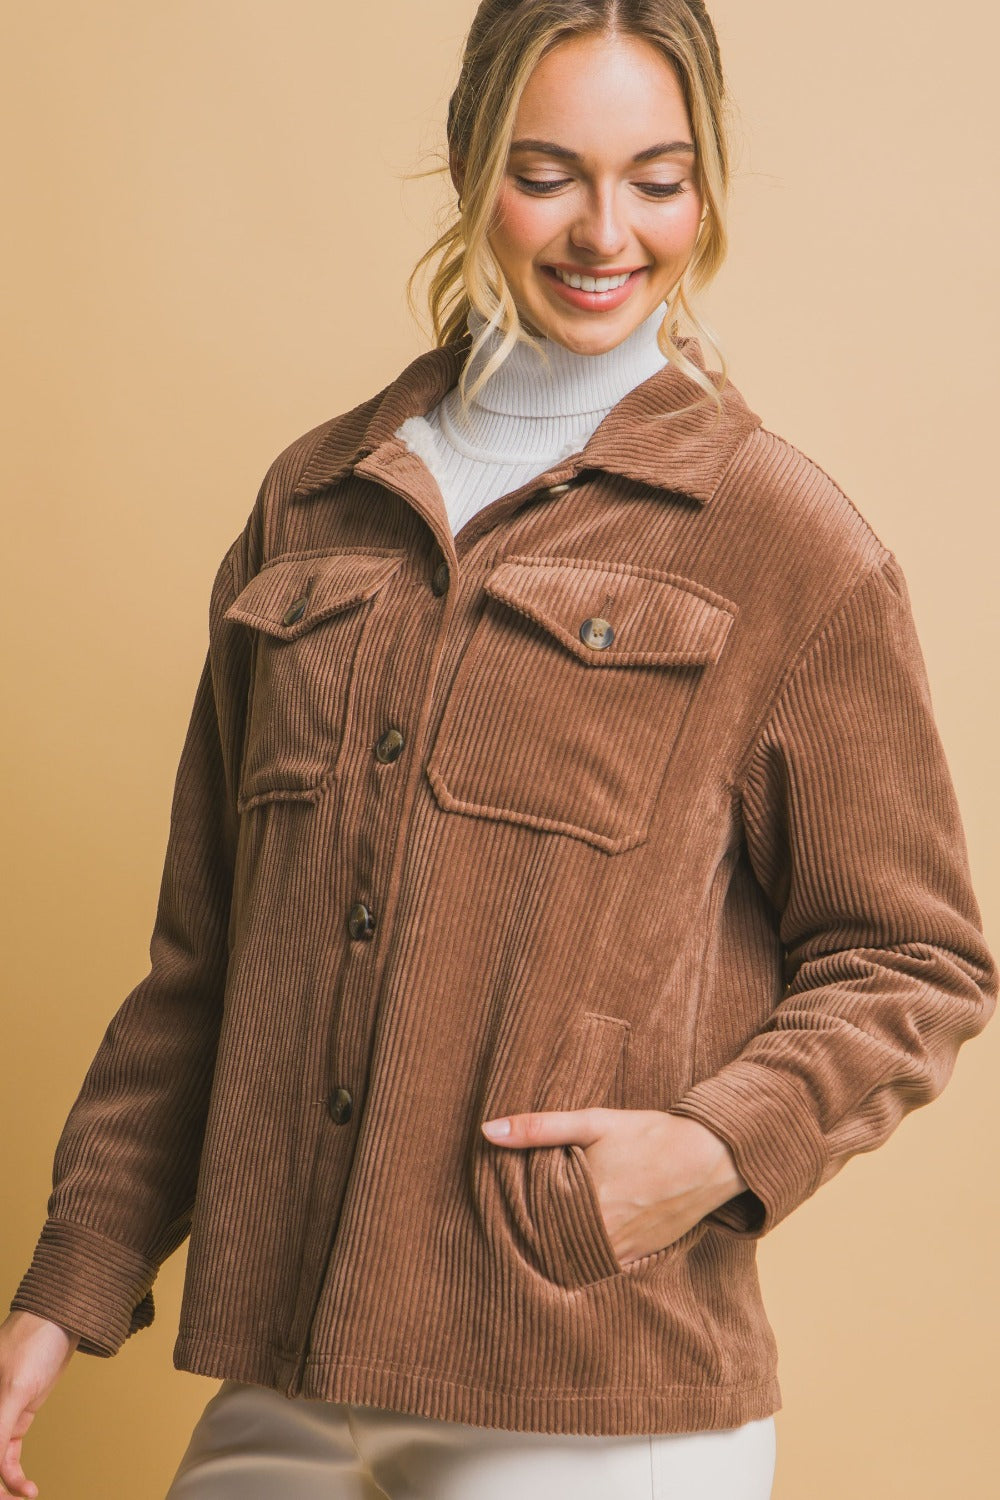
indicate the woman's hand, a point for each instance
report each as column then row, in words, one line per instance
column 657, row 1174
column 33, row 1354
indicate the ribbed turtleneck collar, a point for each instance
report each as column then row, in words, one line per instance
column 536, row 398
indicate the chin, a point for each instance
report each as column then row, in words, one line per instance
column 596, row 340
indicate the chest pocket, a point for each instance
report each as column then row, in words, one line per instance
column 571, row 695
column 308, row 613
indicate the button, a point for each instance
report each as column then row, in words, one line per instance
column 596, row 633
column 440, row 578
column 558, row 489
column 340, row 1104
column 389, row 746
column 361, row 922
column 295, row 611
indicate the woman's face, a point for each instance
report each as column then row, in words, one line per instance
column 589, row 207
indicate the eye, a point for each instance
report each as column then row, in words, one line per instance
column 662, row 189
column 541, row 186
column 545, row 185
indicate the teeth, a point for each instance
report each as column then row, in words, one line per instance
column 592, row 283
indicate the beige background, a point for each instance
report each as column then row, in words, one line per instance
column 206, row 238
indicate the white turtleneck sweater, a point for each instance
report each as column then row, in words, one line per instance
column 527, row 415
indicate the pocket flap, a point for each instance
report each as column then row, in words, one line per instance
column 656, row 618
column 290, row 595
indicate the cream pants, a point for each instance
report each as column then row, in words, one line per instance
column 252, row 1443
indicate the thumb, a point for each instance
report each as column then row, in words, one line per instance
column 16, row 1417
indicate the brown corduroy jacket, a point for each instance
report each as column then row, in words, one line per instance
column 630, row 795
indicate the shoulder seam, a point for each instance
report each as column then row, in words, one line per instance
column 807, row 458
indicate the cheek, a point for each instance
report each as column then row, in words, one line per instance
column 674, row 235
column 519, row 222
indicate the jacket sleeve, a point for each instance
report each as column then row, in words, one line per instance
column 854, row 832
column 126, row 1162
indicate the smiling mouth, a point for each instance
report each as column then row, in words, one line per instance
column 592, row 281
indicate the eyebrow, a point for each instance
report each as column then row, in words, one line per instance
column 664, row 148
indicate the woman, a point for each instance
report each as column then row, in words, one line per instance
column 564, row 879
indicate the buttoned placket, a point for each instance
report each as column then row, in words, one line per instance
column 371, row 918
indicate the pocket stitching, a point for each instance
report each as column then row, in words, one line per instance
column 266, row 629
column 448, row 800
column 695, row 656
column 562, row 1258
column 634, row 570
column 467, row 688
column 304, row 578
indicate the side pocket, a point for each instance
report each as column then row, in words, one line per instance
column 550, row 1202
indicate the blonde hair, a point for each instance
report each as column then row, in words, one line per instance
column 504, row 44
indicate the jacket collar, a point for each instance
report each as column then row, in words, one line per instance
column 688, row 456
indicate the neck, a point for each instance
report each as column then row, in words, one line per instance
column 569, row 384
column 528, row 410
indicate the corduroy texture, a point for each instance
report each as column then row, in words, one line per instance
column 716, row 867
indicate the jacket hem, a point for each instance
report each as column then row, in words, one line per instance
column 620, row 1411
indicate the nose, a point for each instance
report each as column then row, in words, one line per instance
column 600, row 228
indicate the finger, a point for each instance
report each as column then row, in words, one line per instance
column 8, row 1417
column 16, row 1482
column 12, row 1474
column 551, row 1127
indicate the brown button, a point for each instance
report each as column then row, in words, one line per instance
column 596, row 633
column 389, row 746
column 440, row 578
column 295, row 611
column 558, row 489
column 340, row 1105
column 360, row 921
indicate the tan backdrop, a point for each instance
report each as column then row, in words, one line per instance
column 207, row 234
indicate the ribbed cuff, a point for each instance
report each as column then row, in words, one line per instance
column 88, row 1284
column 779, row 1150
